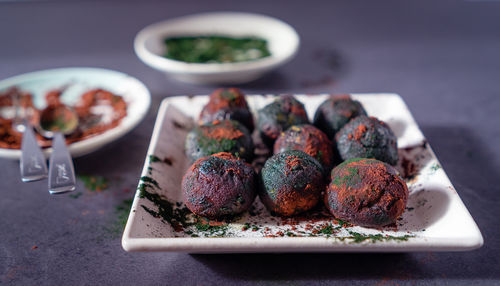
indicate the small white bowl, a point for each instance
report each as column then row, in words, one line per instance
column 283, row 43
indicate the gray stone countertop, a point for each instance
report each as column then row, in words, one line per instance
column 442, row 57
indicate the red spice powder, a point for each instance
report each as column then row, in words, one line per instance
column 217, row 101
column 341, row 97
column 293, row 162
column 298, row 110
column 223, row 132
column 359, row 132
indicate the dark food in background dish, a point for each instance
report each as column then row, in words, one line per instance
column 335, row 112
column 215, row 49
column 90, row 123
column 311, row 140
column 366, row 192
column 219, row 136
column 227, row 103
column 367, row 137
column 278, row 116
column 219, row 185
column 291, row 183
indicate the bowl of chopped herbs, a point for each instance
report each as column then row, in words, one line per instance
column 217, row 47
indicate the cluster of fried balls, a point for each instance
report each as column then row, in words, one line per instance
column 363, row 189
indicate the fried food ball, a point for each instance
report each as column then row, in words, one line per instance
column 311, row 140
column 366, row 192
column 278, row 116
column 291, row 183
column 367, row 137
column 335, row 112
column 219, row 136
column 219, row 185
column 227, row 103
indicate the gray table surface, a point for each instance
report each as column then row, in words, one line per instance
column 442, row 57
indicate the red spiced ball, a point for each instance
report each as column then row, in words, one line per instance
column 311, row 140
column 366, row 192
column 227, row 103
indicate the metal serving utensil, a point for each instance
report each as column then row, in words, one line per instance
column 55, row 122
column 32, row 164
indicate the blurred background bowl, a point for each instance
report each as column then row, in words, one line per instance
column 282, row 39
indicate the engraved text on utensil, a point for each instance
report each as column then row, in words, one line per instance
column 62, row 173
column 34, row 164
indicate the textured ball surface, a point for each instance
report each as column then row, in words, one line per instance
column 227, row 103
column 219, row 136
column 367, row 137
column 335, row 112
column 311, row 140
column 291, row 183
column 278, row 116
column 219, row 185
column 366, row 192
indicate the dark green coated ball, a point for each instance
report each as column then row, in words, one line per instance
column 367, row 137
column 335, row 112
column 291, row 183
column 278, row 116
column 219, row 136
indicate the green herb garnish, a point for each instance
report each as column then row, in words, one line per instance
column 94, row 183
column 215, row 49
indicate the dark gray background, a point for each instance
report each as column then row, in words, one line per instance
column 441, row 56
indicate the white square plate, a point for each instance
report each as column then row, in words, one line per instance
column 435, row 218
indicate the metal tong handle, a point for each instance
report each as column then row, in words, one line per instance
column 33, row 164
column 61, row 170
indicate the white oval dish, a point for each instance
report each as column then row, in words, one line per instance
column 131, row 89
column 283, row 43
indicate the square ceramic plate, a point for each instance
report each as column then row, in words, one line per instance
column 435, row 218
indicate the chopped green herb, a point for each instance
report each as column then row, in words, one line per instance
column 328, row 230
column 177, row 217
column 342, row 223
column 215, row 49
column 154, row 158
column 75, row 195
column 435, row 167
column 121, row 213
column 210, row 230
column 246, row 226
column 150, row 180
column 94, row 183
column 142, row 188
column 319, row 155
column 359, row 237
